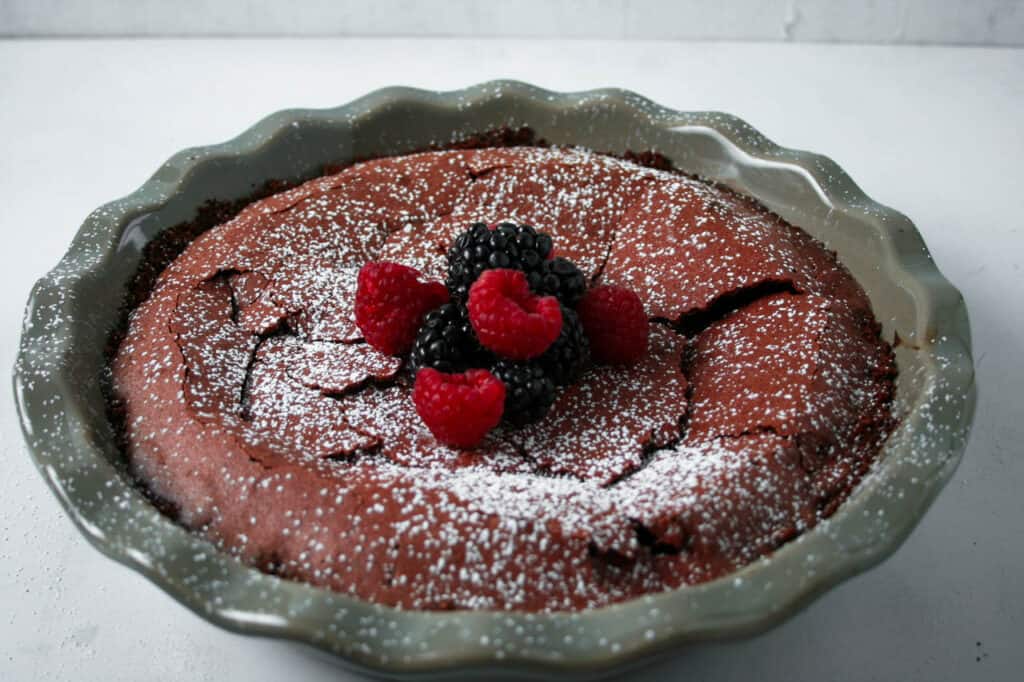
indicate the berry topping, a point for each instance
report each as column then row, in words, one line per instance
column 509, row 304
column 459, row 409
column 568, row 356
column 391, row 301
column 509, row 319
column 445, row 341
column 562, row 279
column 529, row 392
column 480, row 248
column 616, row 324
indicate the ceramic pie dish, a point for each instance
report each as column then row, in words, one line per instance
column 74, row 308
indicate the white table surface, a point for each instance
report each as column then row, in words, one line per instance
column 935, row 132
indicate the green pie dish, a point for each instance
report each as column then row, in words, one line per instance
column 73, row 310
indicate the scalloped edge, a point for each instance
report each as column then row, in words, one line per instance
column 726, row 607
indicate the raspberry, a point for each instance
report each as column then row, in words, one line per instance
column 510, row 320
column 568, row 356
column 562, row 279
column 459, row 409
column 480, row 248
column 616, row 323
column 445, row 341
column 528, row 391
column 390, row 304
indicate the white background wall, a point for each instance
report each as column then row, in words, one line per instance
column 966, row 22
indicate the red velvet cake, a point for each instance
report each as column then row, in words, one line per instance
column 254, row 408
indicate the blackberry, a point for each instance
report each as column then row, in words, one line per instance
column 480, row 248
column 529, row 391
column 565, row 360
column 445, row 341
column 562, row 279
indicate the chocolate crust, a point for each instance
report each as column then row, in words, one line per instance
column 246, row 391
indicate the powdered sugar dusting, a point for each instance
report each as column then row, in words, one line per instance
column 254, row 407
column 335, row 368
column 600, row 427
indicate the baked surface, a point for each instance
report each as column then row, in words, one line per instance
column 254, row 410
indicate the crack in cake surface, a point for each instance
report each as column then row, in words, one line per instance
column 685, row 477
